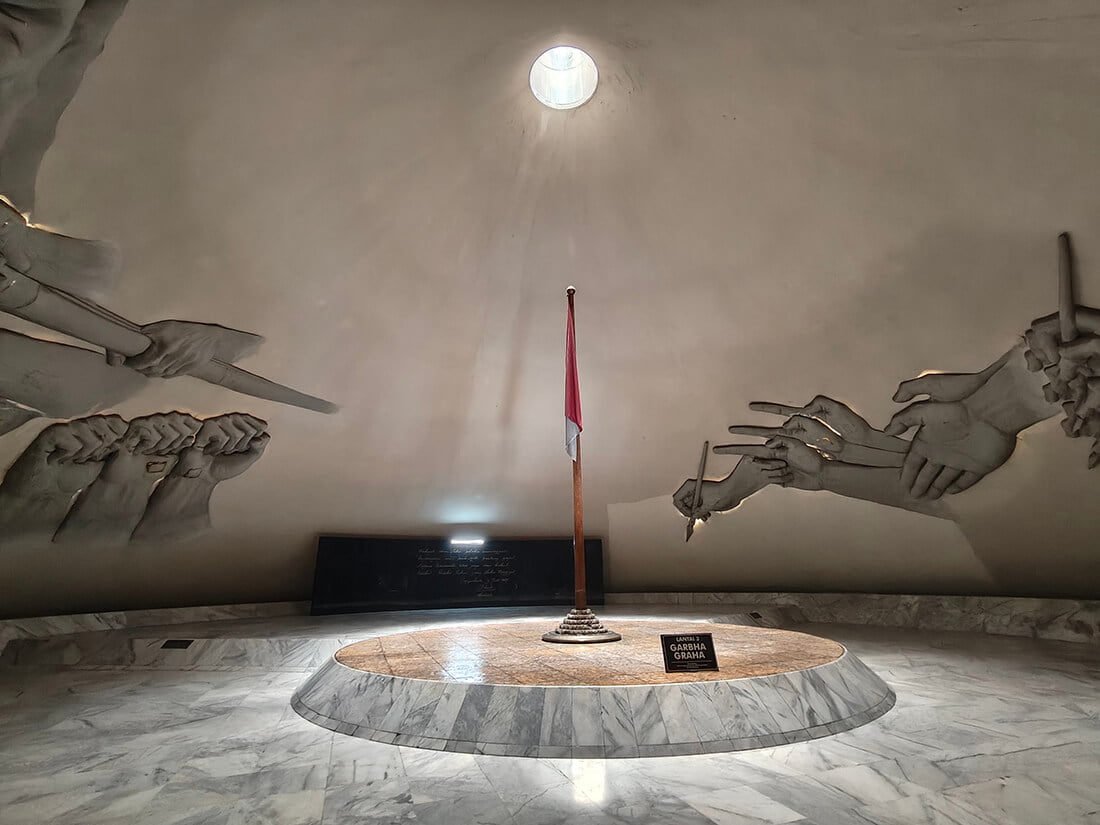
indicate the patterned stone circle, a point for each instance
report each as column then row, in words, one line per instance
column 499, row 694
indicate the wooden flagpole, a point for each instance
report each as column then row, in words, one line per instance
column 580, row 588
column 581, row 625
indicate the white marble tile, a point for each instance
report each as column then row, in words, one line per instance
column 1054, row 619
column 536, row 791
column 703, row 713
column 930, row 809
column 78, row 796
column 619, row 737
column 377, row 698
column 629, row 800
column 557, row 718
column 303, row 745
column 301, row 808
column 258, row 783
column 981, row 722
column 476, row 806
column 649, row 725
column 423, row 708
column 587, row 718
column 746, row 715
column 385, row 802
column 471, row 714
column 787, row 710
column 1023, row 799
column 847, row 689
column 402, row 699
column 527, row 717
column 873, row 783
column 823, row 706
column 446, row 711
column 810, row 757
column 497, row 723
column 740, row 806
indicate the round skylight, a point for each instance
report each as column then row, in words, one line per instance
column 564, row 77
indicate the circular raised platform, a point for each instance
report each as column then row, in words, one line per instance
column 498, row 689
column 509, row 653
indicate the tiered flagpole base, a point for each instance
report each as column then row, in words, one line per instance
column 581, row 627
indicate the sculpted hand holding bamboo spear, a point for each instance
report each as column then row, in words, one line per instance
column 164, row 349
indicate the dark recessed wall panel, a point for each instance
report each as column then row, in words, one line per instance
column 358, row 574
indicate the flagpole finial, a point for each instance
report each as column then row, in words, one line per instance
column 569, row 290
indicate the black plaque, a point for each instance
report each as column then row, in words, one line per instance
column 359, row 574
column 686, row 652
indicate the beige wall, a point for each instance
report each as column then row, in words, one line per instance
column 765, row 200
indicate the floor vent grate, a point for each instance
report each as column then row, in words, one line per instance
column 177, row 644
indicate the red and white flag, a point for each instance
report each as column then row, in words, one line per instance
column 573, row 424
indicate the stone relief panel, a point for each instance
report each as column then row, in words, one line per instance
column 94, row 478
column 102, row 481
column 964, row 426
column 54, row 280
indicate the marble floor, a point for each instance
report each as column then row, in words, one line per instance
column 986, row 731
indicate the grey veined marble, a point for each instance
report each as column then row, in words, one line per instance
column 1064, row 620
column 46, row 626
column 988, row 730
column 595, row 722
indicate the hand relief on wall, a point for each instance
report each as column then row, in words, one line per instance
column 965, row 427
column 97, row 478
column 102, row 481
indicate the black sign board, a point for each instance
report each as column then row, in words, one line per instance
column 685, row 652
column 359, row 573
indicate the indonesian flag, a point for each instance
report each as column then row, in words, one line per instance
column 573, row 424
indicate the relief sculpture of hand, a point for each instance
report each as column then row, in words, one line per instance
column 1076, row 362
column 792, row 463
column 178, row 347
column 224, row 447
column 820, row 436
column 148, row 448
column 948, row 386
column 1072, row 370
column 160, row 434
column 1082, row 409
column 824, row 428
column 68, row 456
column 840, row 418
column 1044, row 341
column 807, row 430
column 107, row 512
column 953, row 448
column 787, row 461
column 63, row 459
column 748, row 477
column 81, row 266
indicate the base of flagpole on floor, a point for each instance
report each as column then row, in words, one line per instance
column 581, row 627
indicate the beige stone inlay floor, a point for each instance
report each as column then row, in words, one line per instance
column 513, row 654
